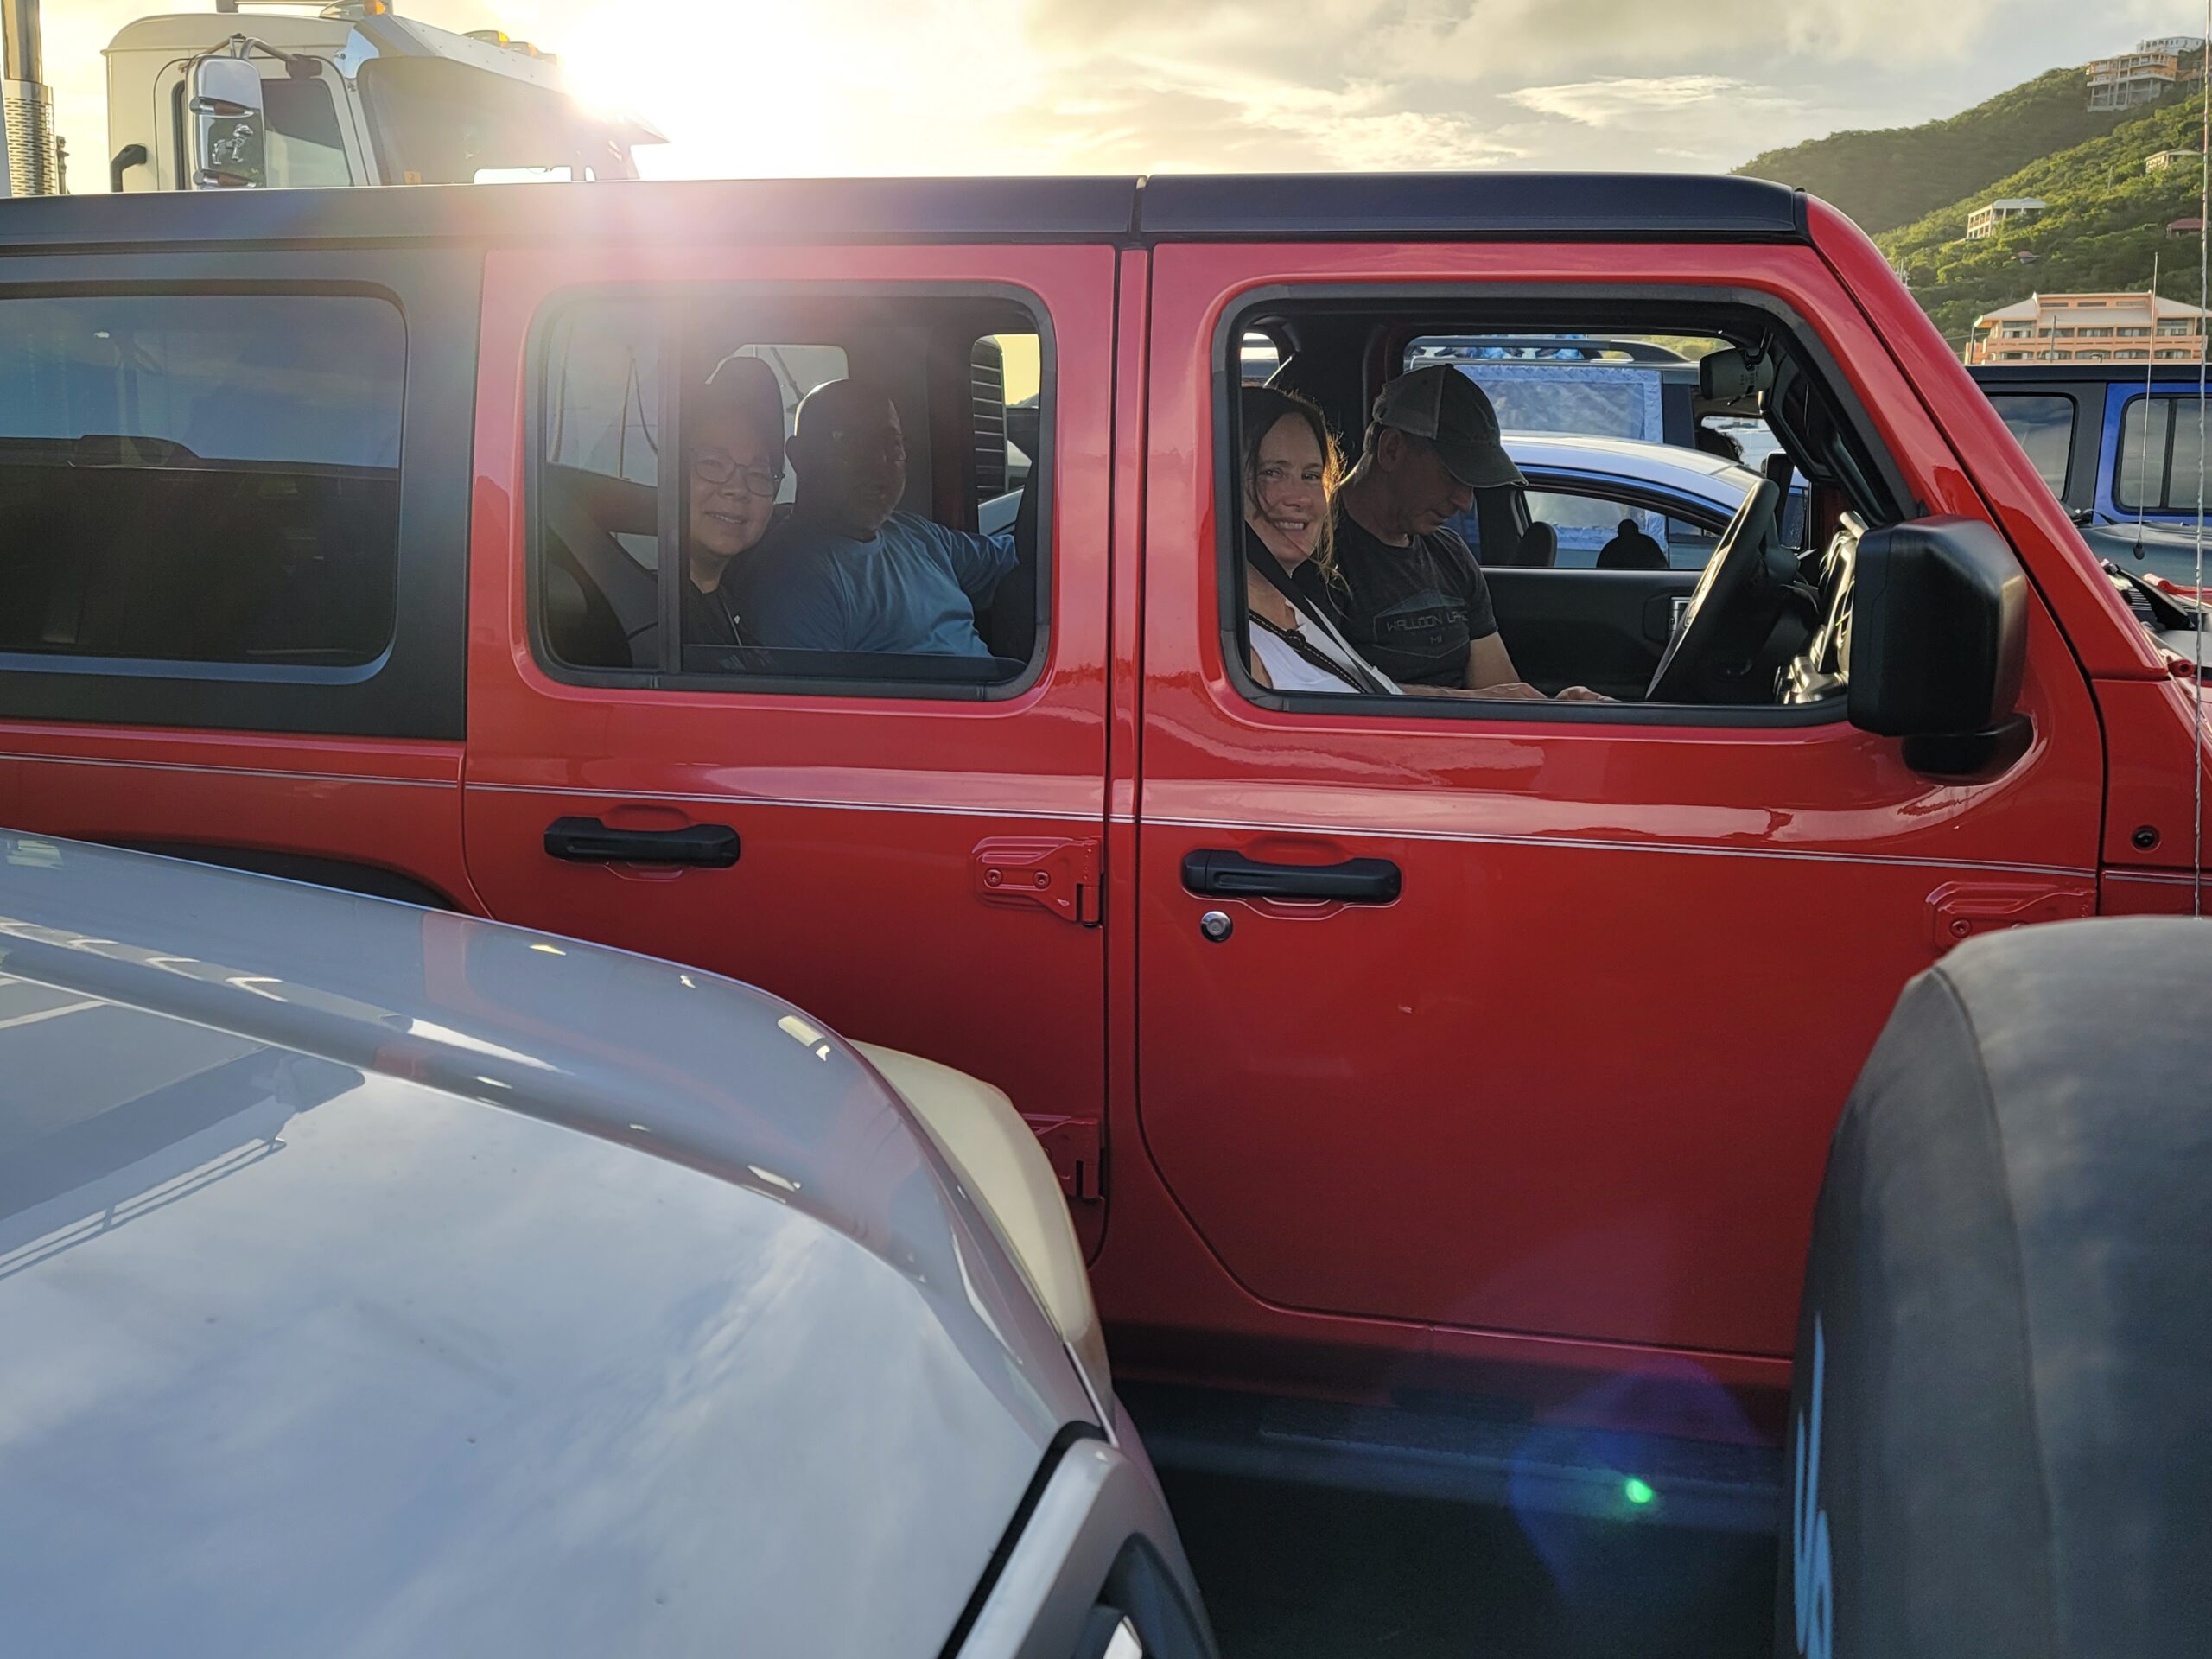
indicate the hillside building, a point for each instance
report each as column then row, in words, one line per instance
column 1987, row 221
column 2166, row 158
column 2115, row 327
column 2179, row 45
column 2132, row 79
column 2177, row 228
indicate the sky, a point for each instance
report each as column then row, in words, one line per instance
column 796, row 87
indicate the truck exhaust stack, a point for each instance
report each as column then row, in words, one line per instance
column 34, row 153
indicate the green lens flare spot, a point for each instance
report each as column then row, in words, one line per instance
column 1637, row 1492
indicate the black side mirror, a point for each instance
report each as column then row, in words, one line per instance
column 1939, row 628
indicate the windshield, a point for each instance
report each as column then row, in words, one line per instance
column 305, row 148
column 1600, row 402
column 437, row 122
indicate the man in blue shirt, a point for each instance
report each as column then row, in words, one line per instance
column 848, row 572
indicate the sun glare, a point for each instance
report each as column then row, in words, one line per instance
column 836, row 88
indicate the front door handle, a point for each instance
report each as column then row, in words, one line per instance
column 587, row 840
column 1214, row 873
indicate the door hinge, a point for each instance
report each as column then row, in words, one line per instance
column 1964, row 910
column 1071, row 1144
column 1061, row 875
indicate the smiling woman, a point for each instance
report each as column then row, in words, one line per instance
column 1291, row 468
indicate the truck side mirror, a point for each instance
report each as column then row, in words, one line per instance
column 228, row 124
column 1939, row 626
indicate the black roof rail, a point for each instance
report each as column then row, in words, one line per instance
column 1613, row 207
column 2164, row 372
column 736, row 211
column 1400, row 206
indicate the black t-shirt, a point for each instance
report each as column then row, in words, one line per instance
column 1411, row 611
column 709, row 619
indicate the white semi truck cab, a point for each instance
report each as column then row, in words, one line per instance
column 252, row 95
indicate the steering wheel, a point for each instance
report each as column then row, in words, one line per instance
column 1730, row 578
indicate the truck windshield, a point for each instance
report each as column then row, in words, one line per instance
column 305, row 148
column 1595, row 401
column 435, row 122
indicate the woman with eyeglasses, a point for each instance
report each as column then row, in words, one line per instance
column 736, row 452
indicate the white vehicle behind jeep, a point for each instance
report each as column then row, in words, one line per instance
column 248, row 95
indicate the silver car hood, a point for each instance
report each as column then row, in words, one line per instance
column 381, row 1281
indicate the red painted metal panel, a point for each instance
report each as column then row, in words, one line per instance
column 392, row 806
column 855, row 894
column 2155, row 756
column 1566, row 1101
column 2150, row 893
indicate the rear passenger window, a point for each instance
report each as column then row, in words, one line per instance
column 199, row 478
column 793, row 495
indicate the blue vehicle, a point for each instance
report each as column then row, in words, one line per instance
column 2119, row 448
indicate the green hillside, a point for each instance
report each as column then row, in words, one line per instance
column 2105, row 221
column 1889, row 178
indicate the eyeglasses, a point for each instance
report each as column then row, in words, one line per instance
column 721, row 469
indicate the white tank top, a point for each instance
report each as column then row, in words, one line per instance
column 1287, row 671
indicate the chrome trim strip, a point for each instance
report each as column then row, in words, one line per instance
column 235, row 771
column 735, row 800
column 1582, row 843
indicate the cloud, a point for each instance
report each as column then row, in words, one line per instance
column 889, row 86
column 1289, row 124
column 1492, row 41
column 1633, row 100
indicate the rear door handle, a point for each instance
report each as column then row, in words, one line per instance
column 1217, row 873
column 587, row 840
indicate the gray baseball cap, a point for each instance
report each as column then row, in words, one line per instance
column 1443, row 406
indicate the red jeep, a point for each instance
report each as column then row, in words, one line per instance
column 339, row 536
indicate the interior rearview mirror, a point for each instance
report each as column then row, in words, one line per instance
column 1729, row 375
column 1939, row 622
column 228, row 124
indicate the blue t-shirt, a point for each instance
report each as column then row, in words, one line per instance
column 913, row 589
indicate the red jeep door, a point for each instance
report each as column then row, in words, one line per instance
column 916, row 863
column 1577, row 1077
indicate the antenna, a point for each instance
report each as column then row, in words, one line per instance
column 2203, row 361
column 2143, row 436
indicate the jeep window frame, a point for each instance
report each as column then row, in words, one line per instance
column 416, row 687
column 1474, row 306
column 779, row 300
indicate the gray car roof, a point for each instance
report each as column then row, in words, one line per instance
column 379, row 1281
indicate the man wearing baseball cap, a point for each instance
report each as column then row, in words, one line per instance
column 1413, row 599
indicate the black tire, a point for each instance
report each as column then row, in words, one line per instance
column 2001, row 1428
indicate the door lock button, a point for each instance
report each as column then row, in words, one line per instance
column 1217, row 925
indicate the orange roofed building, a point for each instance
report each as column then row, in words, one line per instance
column 2089, row 328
